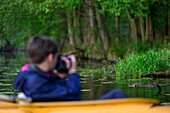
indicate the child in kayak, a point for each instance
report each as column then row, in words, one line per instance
column 34, row 82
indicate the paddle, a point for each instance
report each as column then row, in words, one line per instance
column 21, row 98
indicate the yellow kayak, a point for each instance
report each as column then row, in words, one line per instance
column 131, row 105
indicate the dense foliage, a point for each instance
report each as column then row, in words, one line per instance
column 99, row 28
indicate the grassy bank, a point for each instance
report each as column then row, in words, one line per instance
column 134, row 65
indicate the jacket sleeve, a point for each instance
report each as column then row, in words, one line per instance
column 20, row 80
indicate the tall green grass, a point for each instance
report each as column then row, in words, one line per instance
column 142, row 63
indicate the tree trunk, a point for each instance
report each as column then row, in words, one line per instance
column 63, row 42
column 142, row 28
column 103, row 32
column 168, row 24
column 147, row 27
column 133, row 27
column 117, row 21
column 86, row 26
column 70, row 30
column 92, row 22
column 150, row 30
column 77, row 27
column 149, row 24
column 167, row 28
column 80, row 34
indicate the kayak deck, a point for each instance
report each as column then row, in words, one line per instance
column 95, row 106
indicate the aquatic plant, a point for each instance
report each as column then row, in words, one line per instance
column 100, row 72
column 142, row 63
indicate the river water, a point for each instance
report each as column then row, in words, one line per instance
column 97, row 78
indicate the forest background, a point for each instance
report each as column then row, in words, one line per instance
column 95, row 29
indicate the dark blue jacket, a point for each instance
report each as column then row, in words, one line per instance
column 41, row 87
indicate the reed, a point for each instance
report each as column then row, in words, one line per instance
column 142, row 63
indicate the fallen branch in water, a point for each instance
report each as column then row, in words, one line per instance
column 157, row 75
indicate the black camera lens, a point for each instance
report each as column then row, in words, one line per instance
column 61, row 65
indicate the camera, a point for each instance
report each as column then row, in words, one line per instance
column 61, row 65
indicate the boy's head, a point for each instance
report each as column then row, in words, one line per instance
column 39, row 47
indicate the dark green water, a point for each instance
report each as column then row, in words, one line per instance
column 97, row 77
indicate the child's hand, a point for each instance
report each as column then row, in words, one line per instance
column 70, row 66
column 60, row 75
column 72, row 69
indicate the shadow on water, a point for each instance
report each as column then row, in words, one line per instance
column 97, row 78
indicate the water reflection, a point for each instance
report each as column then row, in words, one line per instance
column 96, row 78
